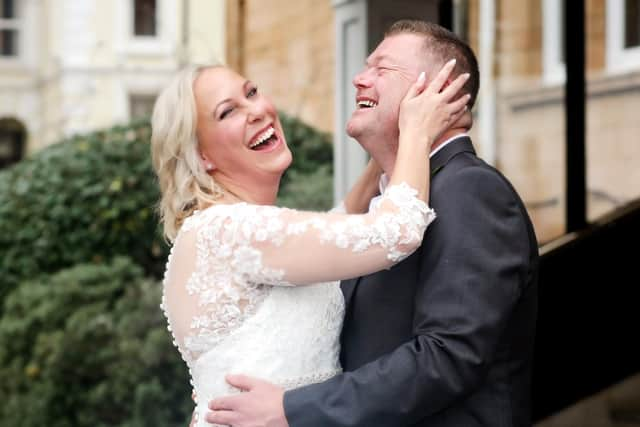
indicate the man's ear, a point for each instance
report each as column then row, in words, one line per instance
column 465, row 121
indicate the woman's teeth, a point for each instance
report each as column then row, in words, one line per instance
column 263, row 138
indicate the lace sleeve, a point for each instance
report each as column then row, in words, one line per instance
column 279, row 246
column 225, row 255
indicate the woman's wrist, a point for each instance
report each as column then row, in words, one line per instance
column 415, row 144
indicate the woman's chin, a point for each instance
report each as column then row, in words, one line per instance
column 277, row 165
column 289, row 158
column 285, row 161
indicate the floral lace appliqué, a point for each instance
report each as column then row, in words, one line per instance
column 231, row 279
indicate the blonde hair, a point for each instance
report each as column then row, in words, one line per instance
column 185, row 185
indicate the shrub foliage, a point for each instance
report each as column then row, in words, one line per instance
column 88, row 346
column 93, row 197
column 86, row 199
column 82, row 339
column 308, row 183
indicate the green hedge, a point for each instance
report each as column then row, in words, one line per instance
column 308, row 183
column 311, row 148
column 86, row 199
column 88, row 346
column 82, row 339
column 92, row 197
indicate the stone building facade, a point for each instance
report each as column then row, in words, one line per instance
column 69, row 66
column 294, row 48
column 287, row 48
column 530, row 114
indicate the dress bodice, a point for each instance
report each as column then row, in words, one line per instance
column 230, row 290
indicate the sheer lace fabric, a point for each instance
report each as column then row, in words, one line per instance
column 229, row 293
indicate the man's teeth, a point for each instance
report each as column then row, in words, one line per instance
column 262, row 138
column 367, row 104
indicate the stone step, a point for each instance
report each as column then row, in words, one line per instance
column 617, row 406
column 625, row 417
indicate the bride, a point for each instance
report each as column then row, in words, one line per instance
column 231, row 292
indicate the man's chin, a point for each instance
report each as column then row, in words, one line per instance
column 354, row 129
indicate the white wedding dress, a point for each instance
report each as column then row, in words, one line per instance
column 229, row 290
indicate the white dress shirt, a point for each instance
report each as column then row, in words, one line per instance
column 384, row 179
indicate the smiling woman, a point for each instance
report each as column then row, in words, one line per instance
column 230, row 290
column 241, row 141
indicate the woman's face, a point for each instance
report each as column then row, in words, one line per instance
column 238, row 130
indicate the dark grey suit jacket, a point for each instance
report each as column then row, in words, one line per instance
column 445, row 338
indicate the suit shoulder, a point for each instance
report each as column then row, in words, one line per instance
column 468, row 180
column 468, row 171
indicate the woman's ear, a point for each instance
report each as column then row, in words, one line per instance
column 206, row 163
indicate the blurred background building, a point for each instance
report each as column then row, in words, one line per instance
column 69, row 66
column 305, row 53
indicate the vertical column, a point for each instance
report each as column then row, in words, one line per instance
column 574, row 27
column 349, row 159
column 487, row 99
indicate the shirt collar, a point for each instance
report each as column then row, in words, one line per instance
column 384, row 179
column 447, row 142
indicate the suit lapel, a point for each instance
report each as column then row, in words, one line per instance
column 449, row 151
column 348, row 286
column 438, row 161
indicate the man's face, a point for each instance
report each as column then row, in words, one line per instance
column 390, row 70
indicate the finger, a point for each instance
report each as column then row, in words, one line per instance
column 228, row 418
column 421, row 83
column 223, row 403
column 243, row 382
column 417, row 87
column 460, row 103
column 452, row 90
column 456, row 115
column 440, row 79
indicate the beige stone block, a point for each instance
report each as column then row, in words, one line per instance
column 289, row 52
column 531, row 154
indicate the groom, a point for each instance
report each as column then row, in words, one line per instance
column 445, row 338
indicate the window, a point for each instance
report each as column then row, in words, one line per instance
column 9, row 26
column 147, row 27
column 623, row 35
column 141, row 106
column 553, row 41
column 12, row 138
column 632, row 23
column 461, row 19
column 144, row 18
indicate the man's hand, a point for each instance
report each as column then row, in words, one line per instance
column 260, row 406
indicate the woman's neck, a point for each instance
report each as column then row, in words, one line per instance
column 258, row 192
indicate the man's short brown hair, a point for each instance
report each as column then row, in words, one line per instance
column 444, row 45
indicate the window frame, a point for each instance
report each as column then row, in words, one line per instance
column 162, row 43
column 553, row 65
column 16, row 24
column 156, row 19
column 619, row 59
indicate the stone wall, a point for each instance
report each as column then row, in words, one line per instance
column 287, row 48
column 530, row 132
